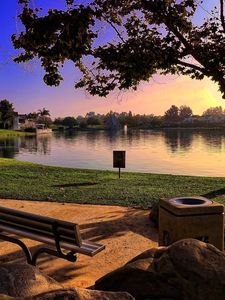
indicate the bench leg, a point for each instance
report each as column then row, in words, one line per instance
column 69, row 256
column 32, row 259
column 19, row 243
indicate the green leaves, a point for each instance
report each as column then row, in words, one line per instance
column 53, row 38
column 149, row 36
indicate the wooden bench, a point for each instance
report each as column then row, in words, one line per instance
column 62, row 235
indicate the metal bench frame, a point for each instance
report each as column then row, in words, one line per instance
column 69, row 255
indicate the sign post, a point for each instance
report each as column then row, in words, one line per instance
column 119, row 160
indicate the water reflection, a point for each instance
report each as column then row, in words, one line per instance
column 172, row 140
column 200, row 152
column 214, row 139
column 8, row 147
column 186, row 140
column 33, row 144
column 179, row 140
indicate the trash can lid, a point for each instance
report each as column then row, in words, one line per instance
column 191, row 205
column 191, row 201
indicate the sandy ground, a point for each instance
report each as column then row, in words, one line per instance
column 125, row 232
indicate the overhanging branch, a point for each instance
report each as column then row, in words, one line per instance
column 116, row 30
column 189, row 65
column 222, row 14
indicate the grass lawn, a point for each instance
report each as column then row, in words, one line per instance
column 11, row 133
column 22, row 180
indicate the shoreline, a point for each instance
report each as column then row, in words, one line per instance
column 139, row 128
column 14, row 133
column 5, row 133
column 30, row 181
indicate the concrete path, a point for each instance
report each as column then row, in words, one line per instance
column 126, row 232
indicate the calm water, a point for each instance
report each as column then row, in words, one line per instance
column 192, row 152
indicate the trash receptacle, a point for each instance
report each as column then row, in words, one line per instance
column 191, row 217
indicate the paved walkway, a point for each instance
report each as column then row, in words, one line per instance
column 125, row 232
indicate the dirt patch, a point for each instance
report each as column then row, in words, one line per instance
column 126, row 232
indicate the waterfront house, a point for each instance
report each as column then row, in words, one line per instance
column 21, row 122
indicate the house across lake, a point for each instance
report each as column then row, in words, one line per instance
column 22, row 122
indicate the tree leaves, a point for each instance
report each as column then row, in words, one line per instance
column 150, row 36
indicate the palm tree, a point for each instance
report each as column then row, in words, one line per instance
column 43, row 112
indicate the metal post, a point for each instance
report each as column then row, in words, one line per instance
column 119, row 172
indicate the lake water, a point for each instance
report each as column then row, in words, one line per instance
column 171, row 151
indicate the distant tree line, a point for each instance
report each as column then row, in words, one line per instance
column 91, row 119
column 174, row 116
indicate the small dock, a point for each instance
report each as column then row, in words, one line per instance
column 42, row 129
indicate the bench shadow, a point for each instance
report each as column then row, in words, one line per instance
column 109, row 226
column 75, row 184
column 61, row 272
column 134, row 221
column 213, row 194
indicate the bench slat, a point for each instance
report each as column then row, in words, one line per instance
column 36, row 217
column 45, row 230
column 38, row 231
column 87, row 247
column 37, row 224
column 67, row 231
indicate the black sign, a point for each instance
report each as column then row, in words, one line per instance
column 119, row 159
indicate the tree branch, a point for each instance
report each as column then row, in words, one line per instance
column 189, row 65
column 116, row 30
column 222, row 14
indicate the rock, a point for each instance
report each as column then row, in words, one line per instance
column 82, row 294
column 26, row 282
column 154, row 214
column 21, row 280
column 5, row 297
column 187, row 270
column 148, row 254
column 74, row 294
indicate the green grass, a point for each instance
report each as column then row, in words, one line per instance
column 11, row 133
column 22, row 180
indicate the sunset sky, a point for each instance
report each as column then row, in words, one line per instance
column 23, row 84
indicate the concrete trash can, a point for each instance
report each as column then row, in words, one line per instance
column 191, row 217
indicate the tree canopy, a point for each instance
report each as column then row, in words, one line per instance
column 152, row 36
column 185, row 112
column 43, row 112
column 6, row 113
column 172, row 114
column 175, row 114
column 214, row 111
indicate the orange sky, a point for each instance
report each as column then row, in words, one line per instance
column 154, row 97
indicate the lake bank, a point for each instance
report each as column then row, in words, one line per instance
column 23, row 180
column 14, row 133
column 102, row 128
column 178, row 152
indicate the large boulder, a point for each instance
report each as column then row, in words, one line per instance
column 187, row 270
column 26, row 282
column 21, row 280
column 6, row 297
column 74, row 294
column 82, row 294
